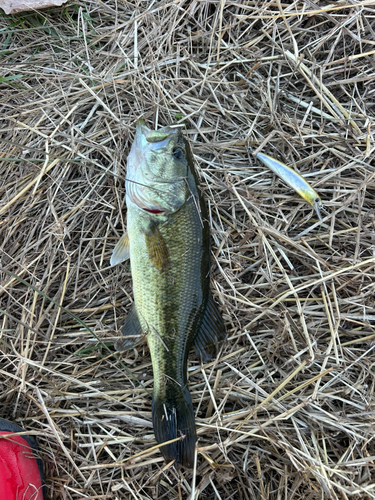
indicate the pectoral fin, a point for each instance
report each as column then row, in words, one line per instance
column 211, row 332
column 156, row 248
column 121, row 251
column 131, row 332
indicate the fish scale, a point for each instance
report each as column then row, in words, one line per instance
column 167, row 301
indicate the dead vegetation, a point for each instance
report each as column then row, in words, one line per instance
column 286, row 411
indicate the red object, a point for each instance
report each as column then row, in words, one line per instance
column 153, row 210
column 21, row 474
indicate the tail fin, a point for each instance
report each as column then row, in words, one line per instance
column 172, row 417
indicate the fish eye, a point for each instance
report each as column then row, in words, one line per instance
column 317, row 200
column 177, row 153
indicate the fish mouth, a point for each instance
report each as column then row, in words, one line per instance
column 154, row 211
column 154, row 136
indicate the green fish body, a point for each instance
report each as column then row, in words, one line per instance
column 168, row 243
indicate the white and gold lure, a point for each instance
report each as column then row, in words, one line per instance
column 294, row 180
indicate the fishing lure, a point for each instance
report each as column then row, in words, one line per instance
column 294, row 180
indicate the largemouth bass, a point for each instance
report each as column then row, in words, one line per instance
column 168, row 243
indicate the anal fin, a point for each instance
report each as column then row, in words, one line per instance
column 121, row 251
column 131, row 332
column 211, row 332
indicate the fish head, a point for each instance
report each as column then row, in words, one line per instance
column 157, row 170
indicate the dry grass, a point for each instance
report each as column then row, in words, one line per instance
column 286, row 411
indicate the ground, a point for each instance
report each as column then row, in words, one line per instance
column 286, row 410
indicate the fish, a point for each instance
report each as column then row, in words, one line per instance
column 168, row 243
column 294, row 180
